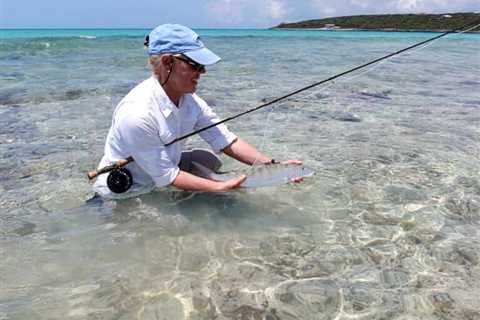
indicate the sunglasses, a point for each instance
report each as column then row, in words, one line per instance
column 195, row 66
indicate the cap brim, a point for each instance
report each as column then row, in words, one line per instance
column 203, row 56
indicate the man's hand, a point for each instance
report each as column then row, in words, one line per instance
column 232, row 183
column 295, row 162
column 189, row 182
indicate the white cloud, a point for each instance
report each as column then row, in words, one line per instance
column 244, row 11
column 407, row 5
column 276, row 9
column 226, row 11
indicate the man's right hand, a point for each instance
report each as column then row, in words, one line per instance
column 232, row 183
column 190, row 182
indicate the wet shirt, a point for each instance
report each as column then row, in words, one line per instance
column 143, row 122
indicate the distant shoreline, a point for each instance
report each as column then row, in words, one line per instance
column 390, row 23
column 371, row 30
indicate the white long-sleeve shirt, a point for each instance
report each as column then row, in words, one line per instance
column 143, row 122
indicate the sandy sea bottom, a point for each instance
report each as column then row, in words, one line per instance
column 388, row 228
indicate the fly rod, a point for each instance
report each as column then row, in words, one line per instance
column 465, row 27
column 124, row 162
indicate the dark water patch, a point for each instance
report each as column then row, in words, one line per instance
column 346, row 116
column 394, row 278
column 12, row 123
column 374, row 94
column 442, row 301
column 302, row 299
column 465, row 207
column 14, row 126
column 452, row 305
column 471, row 103
column 13, row 96
column 283, row 108
column 14, row 227
column 268, row 99
column 12, row 76
column 34, row 150
column 474, row 83
column 6, row 166
column 321, row 95
column 11, row 151
column 421, row 111
column 360, row 298
column 371, row 216
column 316, row 115
column 8, row 115
column 469, row 251
column 66, row 95
column 463, row 252
column 403, row 194
column 44, row 95
column 316, row 267
column 432, row 93
column 9, row 57
column 73, row 94
column 210, row 100
column 358, row 138
column 232, row 303
column 43, row 149
column 405, row 156
column 122, row 88
column 469, row 183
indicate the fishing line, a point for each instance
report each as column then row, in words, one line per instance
column 469, row 26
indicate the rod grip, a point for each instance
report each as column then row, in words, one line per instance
column 120, row 163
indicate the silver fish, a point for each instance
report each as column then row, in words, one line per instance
column 258, row 176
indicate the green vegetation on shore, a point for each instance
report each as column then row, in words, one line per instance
column 400, row 22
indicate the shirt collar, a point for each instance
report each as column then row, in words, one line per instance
column 165, row 105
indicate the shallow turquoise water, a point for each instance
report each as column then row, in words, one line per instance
column 276, row 33
column 388, row 228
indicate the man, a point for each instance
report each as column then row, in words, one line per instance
column 165, row 107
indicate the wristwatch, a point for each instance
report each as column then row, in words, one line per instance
column 273, row 161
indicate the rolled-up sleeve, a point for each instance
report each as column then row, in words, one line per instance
column 218, row 137
column 147, row 149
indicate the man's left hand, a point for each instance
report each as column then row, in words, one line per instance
column 295, row 162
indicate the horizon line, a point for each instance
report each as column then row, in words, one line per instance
column 117, row 28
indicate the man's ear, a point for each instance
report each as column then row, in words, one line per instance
column 167, row 60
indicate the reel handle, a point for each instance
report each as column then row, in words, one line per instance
column 120, row 163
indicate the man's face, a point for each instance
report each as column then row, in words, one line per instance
column 186, row 74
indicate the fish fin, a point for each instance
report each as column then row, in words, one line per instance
column 202, row 171
column 207, row 173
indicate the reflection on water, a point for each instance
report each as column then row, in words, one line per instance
column 387, row 229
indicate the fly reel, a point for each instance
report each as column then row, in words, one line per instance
column 119, row 180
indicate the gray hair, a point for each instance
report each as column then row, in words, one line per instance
column 155, row 63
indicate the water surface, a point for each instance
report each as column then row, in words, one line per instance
column 387, row 229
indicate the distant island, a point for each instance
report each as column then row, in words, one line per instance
column 391, row 22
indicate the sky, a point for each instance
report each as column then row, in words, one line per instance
column 203, row 13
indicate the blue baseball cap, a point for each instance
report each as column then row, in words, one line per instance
column 175, row 38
